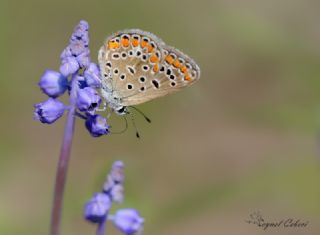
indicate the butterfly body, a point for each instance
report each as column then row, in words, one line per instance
column 136, row 67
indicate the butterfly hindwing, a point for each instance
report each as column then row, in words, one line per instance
column 138, row 67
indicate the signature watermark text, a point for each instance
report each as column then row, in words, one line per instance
column 257, row 219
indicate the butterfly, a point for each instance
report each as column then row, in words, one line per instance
column 136, row 67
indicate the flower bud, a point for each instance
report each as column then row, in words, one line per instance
column 69, row 65
column 92, row 75
column 97, row 125
column 53, row 83
column 97, row 208
column 117, row 171
column 49, row 111
column 108, row 184
column 128, row 221
column 66, row 53
column 88, row 99
column 84, row 58
column 117, row 193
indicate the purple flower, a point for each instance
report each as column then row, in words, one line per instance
column 77, row 54
column 108, row 184
column 88, row 99
column 92, row 75
column 117, row 172
column 53, row 83
column 128, row 221
column 49, row 111
column 97, row 208
column 69, row 65
column 113, row 184
column 81, row 33
column 66, row 53
column 97, row 125
column 116, row 193
column 84, row 58
column 77, row 47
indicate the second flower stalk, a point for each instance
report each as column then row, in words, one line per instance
column 96, row 210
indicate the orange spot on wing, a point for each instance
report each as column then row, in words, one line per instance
column 169, row 59
column 143, row 44
column 125, row 42
column 183, row 69
column 113, row 45
column 187, row 77
column 176, row 64
column 135, row 42
column 153, row 59
column 150, row 48
column 156, row 68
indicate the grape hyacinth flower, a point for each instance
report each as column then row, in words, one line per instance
column 97, row 125
column 53, row 83
column 128, row 221
column 49, row 111
column 88, row 99
column 96, row 210
column 80, row 77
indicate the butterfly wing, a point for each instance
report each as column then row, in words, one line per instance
column 176, row 70
column 138, row 67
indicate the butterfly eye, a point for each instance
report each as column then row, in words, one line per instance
column 165, row 52
column 168, row 72
column 188, row 65
column 172, row 77
column 172, row 84
column 108, row 64
column 158, row 54
column 138, row 53
column 122, row 110
column 130, row 53
column 122, row 76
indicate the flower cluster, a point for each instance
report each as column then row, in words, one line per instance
column 96, row 210
column 81, row 78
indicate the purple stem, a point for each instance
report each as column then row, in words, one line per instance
column 101, row 228
column 62, row 167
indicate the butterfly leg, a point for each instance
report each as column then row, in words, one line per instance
column 103, row 108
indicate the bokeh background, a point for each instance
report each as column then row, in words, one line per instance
column 244, row 138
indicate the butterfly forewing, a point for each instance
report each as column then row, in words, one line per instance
column 138, row 67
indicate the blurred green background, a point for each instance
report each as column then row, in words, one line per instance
column 244, row 138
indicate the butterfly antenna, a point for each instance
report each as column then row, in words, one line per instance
column 122, row 131
column 134, row 125
column 139, row 111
